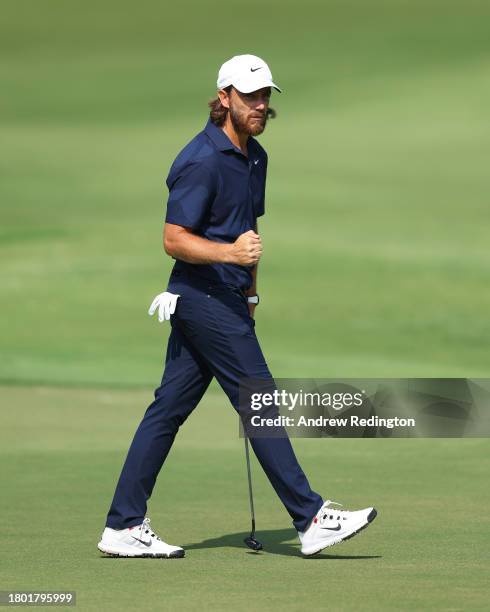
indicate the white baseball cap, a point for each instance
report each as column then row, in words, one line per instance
column 246, row 73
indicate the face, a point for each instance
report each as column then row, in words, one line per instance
column 248, row 112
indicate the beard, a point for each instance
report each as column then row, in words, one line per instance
column 248, row 123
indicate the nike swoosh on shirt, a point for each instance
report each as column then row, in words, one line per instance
column 255, row 69
column 333, row 528
column 147, row 544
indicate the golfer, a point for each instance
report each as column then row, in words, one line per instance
column 216, row 193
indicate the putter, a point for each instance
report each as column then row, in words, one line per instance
column 251, row 542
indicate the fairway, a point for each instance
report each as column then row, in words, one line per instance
column 377, row 190
column 375, row 264
column 428, row 548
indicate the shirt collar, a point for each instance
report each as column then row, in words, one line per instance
column 222, row 141
column 218, row 136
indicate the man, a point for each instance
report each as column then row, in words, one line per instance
column 216, row 192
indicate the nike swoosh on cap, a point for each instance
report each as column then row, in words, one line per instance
column 255, row 69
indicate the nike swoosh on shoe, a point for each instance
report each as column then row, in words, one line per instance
column 147, row 544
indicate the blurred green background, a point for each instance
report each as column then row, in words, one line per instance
column 376, row 233
column 376, row 264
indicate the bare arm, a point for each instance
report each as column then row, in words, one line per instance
column 181, row 243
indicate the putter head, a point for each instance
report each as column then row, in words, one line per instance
column 253, row 543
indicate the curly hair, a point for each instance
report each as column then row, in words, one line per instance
column 218, row 113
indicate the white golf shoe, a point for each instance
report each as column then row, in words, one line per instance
column 139, row 541
column 331, row 526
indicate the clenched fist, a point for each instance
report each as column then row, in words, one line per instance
column 247, row 249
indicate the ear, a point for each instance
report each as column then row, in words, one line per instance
column 224, row 98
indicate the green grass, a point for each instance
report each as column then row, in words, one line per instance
column 375, row 235
column 375, row 264
column 61, row 452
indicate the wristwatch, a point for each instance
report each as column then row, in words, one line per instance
column 253, row 299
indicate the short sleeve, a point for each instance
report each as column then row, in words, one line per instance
column 260, row 206
column 191, row 193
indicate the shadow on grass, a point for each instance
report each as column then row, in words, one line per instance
column 275, row 541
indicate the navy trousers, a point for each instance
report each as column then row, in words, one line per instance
column 212, row 335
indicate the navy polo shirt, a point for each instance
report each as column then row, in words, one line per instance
column 216, row 191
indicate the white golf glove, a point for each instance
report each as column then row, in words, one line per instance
column 166, row 303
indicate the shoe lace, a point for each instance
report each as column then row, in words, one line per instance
column 146, row 529
column 327, row 513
